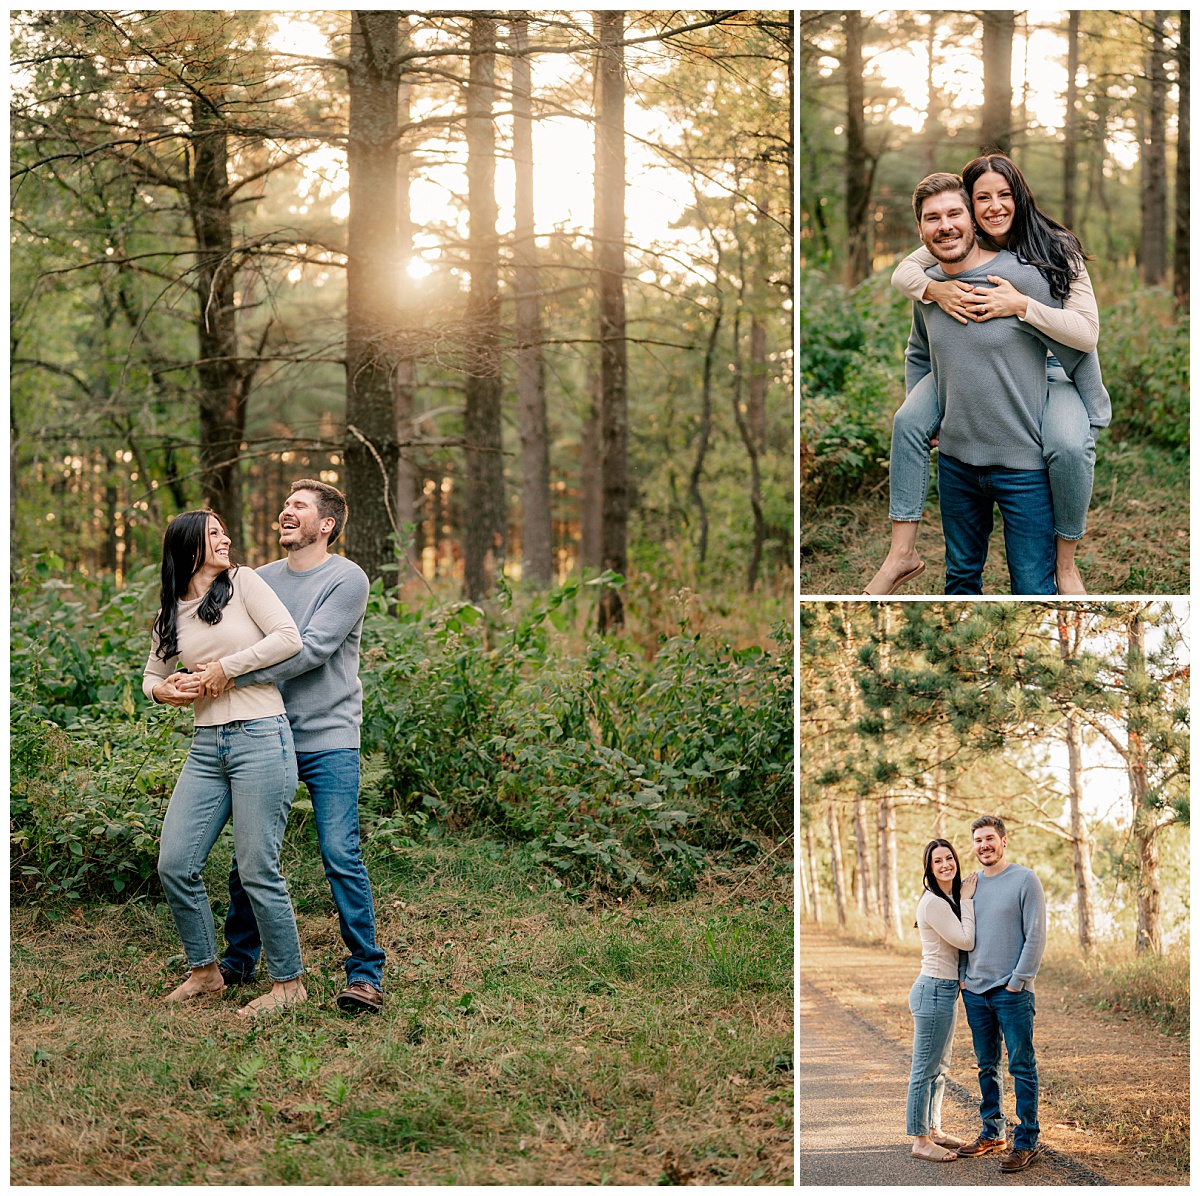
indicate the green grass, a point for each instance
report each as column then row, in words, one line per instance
column 1137, row 540
column 526, row 1039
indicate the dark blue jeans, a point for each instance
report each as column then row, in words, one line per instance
column 966, row 494
column 991, row 1015
column 332, row 780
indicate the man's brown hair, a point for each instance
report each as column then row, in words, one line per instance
column 989, row 820
column 935, row 184
column 331, row 503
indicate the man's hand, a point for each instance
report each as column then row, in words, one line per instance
column 212, row 680
column 1002, row 300
column 950, row 296
column 180, row 689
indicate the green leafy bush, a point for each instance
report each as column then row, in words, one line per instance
column 619, row 770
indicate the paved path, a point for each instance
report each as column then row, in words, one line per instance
column 853, row 1084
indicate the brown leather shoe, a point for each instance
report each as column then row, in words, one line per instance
column 1018, row 1160
column 360, row 997
column 982, row 1146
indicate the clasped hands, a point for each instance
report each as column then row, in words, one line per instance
column 969, row 304
column 182, row 689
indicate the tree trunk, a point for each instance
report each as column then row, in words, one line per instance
column 372, row 269
column 996, row 119
column 814, row 890
column 486, row 529
column 537, row 547
column 929, row 128
column 610, row 267
column 222, row 396
column 1071, row 122
column 408, row 475
column 1145, row 823
column 1183, row 164
column 591, row 496
column 805, row 901
column 703, row 434
column 1154, row 163
column 889, row 877
column 835, row 860
column 858, row 165
column 1081, row 848
column 862, row 851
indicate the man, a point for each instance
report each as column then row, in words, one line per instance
column 327, row 596
column 997, row 988
column 991, row 383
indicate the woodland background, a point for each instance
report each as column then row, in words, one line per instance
column 249, row 247
column 1093, row 107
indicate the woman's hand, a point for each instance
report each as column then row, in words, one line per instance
column 949, row 297
column 177, row 690
column 212, row 679
column 1002, row 300
column 968, row 885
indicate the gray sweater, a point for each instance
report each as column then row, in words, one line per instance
column 991, row 377
column 1010, row 930
column 320, row 684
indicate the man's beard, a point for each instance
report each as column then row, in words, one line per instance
column 968, row 241
column 305, row 538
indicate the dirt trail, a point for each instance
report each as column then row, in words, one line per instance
column 1114, row 1092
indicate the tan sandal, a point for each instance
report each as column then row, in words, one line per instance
column 943, row 1155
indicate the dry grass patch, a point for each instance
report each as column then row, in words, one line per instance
column 525, row 1040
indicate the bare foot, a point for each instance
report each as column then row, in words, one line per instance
column 1068, row 580
column 947, row 1140
column 290, row 992
column 891, row 571
column 199, row 982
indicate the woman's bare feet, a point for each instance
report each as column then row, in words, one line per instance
column 894, row 572
column 289, row 992
column 947, row 1140
column 1066, row 573
column 200, row 981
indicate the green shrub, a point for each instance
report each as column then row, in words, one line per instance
column 617, row 770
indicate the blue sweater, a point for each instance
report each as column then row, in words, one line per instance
column 1010, row 930
column 320, row 685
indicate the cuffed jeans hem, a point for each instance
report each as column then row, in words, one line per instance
column 194, row 966
column 285, row 979
column 1063, row 535
column 905, row 518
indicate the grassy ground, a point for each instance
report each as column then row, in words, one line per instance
column 1137, row 540
column 525, row 1040
column 1114, row 1088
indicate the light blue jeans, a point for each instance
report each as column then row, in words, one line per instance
column 247, row 771
column 934, row 1006
column 1068, row 448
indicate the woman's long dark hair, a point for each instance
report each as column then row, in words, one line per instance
column 1034, row 238
column 185, row 543
column 954, row 900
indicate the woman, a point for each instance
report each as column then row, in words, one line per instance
column 1006, row 217
column 242, row 761
column 946, row 921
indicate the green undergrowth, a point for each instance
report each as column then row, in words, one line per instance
column 622, row 769
column 526, row 1038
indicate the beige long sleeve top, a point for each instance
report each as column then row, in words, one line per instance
column 943, row 935
column 1076, row 324
column 255, row 631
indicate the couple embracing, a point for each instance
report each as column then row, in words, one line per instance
column 268, row 661
column 1001, row 375
column 984, row 937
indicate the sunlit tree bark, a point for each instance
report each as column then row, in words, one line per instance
column 372, row 272
column 996, row 120
column 610, row 282
column 486, row 529
column 536, row 542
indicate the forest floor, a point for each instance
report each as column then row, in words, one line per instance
column 1114, row 1090
column 1137, row 542
column 525, row 1040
